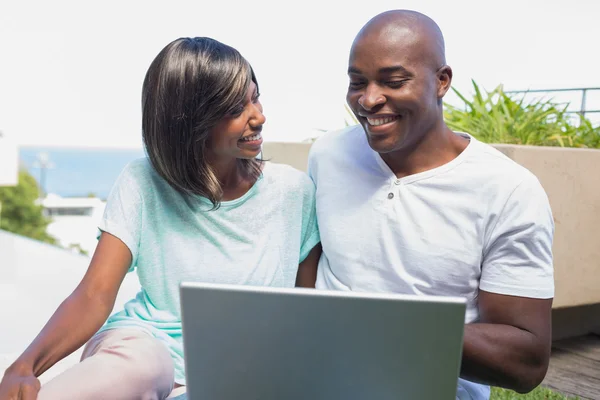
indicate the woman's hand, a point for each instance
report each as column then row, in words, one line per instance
column 19, row 384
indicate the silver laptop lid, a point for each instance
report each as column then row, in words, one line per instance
column 247, row 343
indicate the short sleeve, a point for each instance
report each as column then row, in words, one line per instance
column 517, row 257
column 310, row 230
column 312, row 167
column 123, row 212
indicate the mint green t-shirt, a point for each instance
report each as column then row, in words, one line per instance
column 258, row 239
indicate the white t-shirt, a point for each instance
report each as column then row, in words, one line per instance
column 480, row 221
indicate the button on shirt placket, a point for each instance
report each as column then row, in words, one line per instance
column 394, row 188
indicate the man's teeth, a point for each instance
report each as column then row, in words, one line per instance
column 381, row 121
column 251, row 138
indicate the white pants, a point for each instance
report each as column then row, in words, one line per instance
column 126, row 364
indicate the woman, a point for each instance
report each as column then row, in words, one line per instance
column 201, row 207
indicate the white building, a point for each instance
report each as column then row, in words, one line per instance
column 74, row 220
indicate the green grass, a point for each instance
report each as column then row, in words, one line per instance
column 538, row 394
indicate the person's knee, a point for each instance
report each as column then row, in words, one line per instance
column 149, row 365
column 154, row 361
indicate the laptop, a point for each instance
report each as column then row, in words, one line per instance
column 252, row 343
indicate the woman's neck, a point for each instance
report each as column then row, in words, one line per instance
column 232, row 179
column 227, row 172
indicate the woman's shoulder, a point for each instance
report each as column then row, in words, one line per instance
column 286, row 176
column 137, row 175
column 138, row 168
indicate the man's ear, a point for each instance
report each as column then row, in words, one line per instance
column 444, row 77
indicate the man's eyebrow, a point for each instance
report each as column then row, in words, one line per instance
column 384, row 70
column 395, row 68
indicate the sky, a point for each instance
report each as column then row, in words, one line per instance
column 71, row 71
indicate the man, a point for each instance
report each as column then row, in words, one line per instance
column 405, row 205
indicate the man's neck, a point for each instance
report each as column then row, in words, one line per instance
column 438, row 147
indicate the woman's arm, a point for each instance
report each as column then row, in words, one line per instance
column 75, row 321
column 307, row 270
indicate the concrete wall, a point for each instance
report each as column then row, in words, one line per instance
column 575, row 321
column 294, row 154
column 35, row 278
column 571, row 177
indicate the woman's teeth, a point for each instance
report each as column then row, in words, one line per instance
column 381, row 121
column 251, row 138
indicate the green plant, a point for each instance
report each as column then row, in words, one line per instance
column 497, row 117
column 76, row 247
column 19, row 212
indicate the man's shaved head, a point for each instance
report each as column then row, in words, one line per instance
column 407, row 29
column 398, row 78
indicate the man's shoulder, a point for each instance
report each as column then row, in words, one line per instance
column 498, row 175
column 498, row 166
column 339, row 152
column 336, row 142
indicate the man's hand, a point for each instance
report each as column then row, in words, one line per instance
column 510, row 345
column 19, row 384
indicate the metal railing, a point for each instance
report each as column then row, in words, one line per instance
column 584, row 92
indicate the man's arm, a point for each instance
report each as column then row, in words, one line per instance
column 510, row 346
